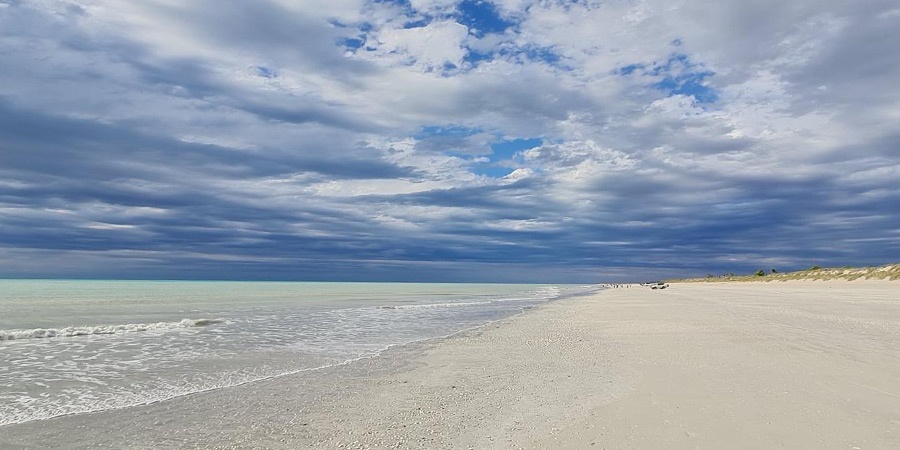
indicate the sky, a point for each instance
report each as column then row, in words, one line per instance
column 445, row 140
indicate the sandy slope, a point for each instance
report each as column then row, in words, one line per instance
column 711, row 366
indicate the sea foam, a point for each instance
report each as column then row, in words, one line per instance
column 38, row 333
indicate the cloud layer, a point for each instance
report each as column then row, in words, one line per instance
column 446, row 140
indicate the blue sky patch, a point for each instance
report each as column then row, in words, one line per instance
column 404, row 3
column 629, row 69
column 545, row 55
column 502, row 149
column 492, row 170
column 500, row 161
column 677, row 76
column 681, row 76
column 474, row 57
column 508, row 148
column 482, row 18
column 448, row 131
column 418, row 23
column 266, row 72
column 520, row 55
column 690, row 84
column 352, row 43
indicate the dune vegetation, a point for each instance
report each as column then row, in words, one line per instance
column 814, row 273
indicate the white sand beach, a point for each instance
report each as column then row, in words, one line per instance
column 796, row 365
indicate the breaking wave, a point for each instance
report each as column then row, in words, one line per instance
column 545, row 293
column 435, row 305
column 38, row 333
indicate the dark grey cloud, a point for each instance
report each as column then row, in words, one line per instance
column 266, row 27
column 89, row 150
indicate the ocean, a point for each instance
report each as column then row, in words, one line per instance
column 70, row 347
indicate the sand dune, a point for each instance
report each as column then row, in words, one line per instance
column 815, row 273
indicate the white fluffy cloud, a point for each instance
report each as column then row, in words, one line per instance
column 430, row 47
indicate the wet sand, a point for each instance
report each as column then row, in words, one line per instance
column 731, row 365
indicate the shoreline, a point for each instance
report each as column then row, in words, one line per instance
column 708, row 365
column 319, row 392
column 398, row 347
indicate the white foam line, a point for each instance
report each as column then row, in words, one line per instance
column 43, row 333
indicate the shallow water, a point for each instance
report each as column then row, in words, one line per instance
column 78, row 346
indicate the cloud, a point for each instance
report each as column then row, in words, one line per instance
column 504, row 140
column 433, row 46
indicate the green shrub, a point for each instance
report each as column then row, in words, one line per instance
column 761, row 273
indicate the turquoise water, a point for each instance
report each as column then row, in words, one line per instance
column 69, row 347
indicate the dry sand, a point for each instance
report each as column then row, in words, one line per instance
column 799, row 365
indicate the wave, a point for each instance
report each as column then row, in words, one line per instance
column 547, row 293
column 39, row 333
column 435, row 305
column 543, row 294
